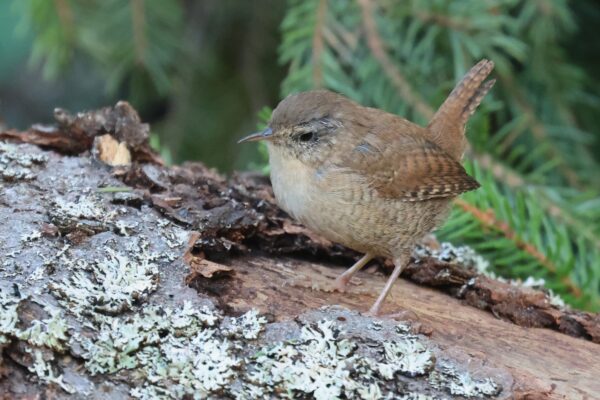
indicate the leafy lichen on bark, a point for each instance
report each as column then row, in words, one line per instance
column 98, row 303
column 93, row 298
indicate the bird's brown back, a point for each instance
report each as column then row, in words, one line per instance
column 372, row 180
column 406, row 167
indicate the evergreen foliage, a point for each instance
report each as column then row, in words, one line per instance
column 537, row 213
column 135, row 42
column 197, row 70
column 532, row 149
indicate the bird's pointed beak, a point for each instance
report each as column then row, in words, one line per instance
column 263, row 135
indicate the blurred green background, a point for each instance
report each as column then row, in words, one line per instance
column 200, row 72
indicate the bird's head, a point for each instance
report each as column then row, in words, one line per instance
column 306, row 125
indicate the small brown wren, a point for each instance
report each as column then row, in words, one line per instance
column 368, row 179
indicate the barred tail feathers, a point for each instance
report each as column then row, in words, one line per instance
column 448, row 124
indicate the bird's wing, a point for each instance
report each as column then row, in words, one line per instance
column 407, row 168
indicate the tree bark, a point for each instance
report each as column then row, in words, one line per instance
column 110, row 271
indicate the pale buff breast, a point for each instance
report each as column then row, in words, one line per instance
column 338, row 205
column 291, row 181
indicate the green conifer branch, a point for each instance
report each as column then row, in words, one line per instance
column 520, row 220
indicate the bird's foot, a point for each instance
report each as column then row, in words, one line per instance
column 375, row 310
column 341, row 284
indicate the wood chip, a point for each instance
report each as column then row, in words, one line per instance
column 112, row 152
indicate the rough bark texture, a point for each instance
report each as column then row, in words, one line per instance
column 139, row 280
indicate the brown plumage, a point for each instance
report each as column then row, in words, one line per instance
column 409, row 168
column 447, row 127
column 366, row 178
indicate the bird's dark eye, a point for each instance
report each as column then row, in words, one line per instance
column 307, row 137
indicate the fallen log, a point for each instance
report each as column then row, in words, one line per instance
column 121, row 277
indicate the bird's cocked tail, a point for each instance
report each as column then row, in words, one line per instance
column 447, row 126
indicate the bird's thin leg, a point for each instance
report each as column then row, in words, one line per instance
column 342, row 281
column 399, row 263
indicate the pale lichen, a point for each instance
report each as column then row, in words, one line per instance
column 322, row 364
column 116, row 324
column 317, row 364
column 469, row 258
column 407, row 355
column 109, row 286
column 173, row 352
column 462, row 255
column 49, row 333
column 45, row 371
column 8, row 317
column 88, row 212
column 125, row 228
column 128, row 342
column 418, row 396
column 462, row 383
column 85, row 207
column 556, row 300
column 17, row 165
column 175, row 237
column 248, row 326
column 31, row 236
column 538, row 283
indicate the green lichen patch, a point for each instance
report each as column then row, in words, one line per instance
column 248, row 326
column 44, row 371
column 31, row 236
column 89, row 213
column 109, row 286
column 323, row 364
column 129, row 342
column 47, row 334
column 86, row 213
column 462, row 383
column 50, row 332
column 194, row 368
column 318, row 363
column 407, row 355
column 8, row 317
column 417, row 396
column 17, row 165
column 172, row 353
column 461, row 255
column 466, row 257
column 86, row 207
